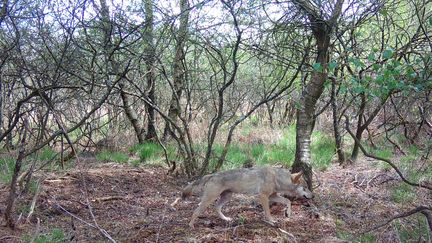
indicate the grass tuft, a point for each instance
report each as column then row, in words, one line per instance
column 55, row 236
column 7, row 166
column 118, row 157
column 323, row 149
column 403, row 193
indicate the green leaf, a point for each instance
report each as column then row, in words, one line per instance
column 384, row 12
column 376, row 66
column 359, row 89
column 317, row 67
column 332, row 65
column 356, row 62
column 430, row 21
column 371, row 57
column 388, row 53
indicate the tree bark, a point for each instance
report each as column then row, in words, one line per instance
column 321, row 30
column 361, row 127
column 131, row 115
column 13, row 187
column 150, row 74
column 178, row 67
column 337, row 136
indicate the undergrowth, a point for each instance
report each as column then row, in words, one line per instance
column 54, row 236
column 106, row 156
column 7, row 166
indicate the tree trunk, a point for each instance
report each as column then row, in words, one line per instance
column 150, row 75
column 359, row 130
column 322, row 30
column 337, row 136
column 361, row 127
column 13, row 187
column 131, row 115
column 178, row 67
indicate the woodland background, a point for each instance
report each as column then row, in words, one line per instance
column 142, row 96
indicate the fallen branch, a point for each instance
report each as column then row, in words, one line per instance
column 33, row 204
column 102, row 231
column 426, row 211
column 383, row 159
column 109, row 198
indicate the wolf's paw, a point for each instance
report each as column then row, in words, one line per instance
column 271, row 222
column 228, row 219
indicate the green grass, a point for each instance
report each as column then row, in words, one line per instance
column 7, row 166
column 323, row 149
column 153, row 152
column 54, row 236
column 118, row 157
column 46, row 154
column 403, row 193
column 235, row 158
column 413, row 232
column 366, row 238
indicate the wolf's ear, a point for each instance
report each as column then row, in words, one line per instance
column 296, row 177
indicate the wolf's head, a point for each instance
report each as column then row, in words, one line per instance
column 300, row 191
column 303, row 192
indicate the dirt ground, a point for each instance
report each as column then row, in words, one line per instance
column 130, row 204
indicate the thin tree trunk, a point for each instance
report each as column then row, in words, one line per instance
column 13, row 188
column 322, row 30
column 150, row 75
column 131, row 115
column 359, row 132
column 338, row 139
column 178, row 67
column 361, row 127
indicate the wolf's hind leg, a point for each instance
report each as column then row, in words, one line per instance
column 224, row 198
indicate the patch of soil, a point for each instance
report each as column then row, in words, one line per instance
column 132, row 205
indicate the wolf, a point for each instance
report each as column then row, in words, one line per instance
column 265, row 182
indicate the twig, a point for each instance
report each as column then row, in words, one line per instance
column 36, row 233
column 109, row 198
column 102, row 231
column 9, row 237
column 60, row 123
column 33, row 204
column 163, row 219
column 383, row 159
column 420, row 209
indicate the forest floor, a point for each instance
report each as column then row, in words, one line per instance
column 131, row 204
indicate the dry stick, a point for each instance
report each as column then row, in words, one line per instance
column 36, row 234
column 33, row 204
column 64, row 132
column 383, row 159
column 420, row 209
column 85, row 222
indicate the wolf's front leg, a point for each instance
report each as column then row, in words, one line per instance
column 206, row 200
column 264, row 200
column 276, row 198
